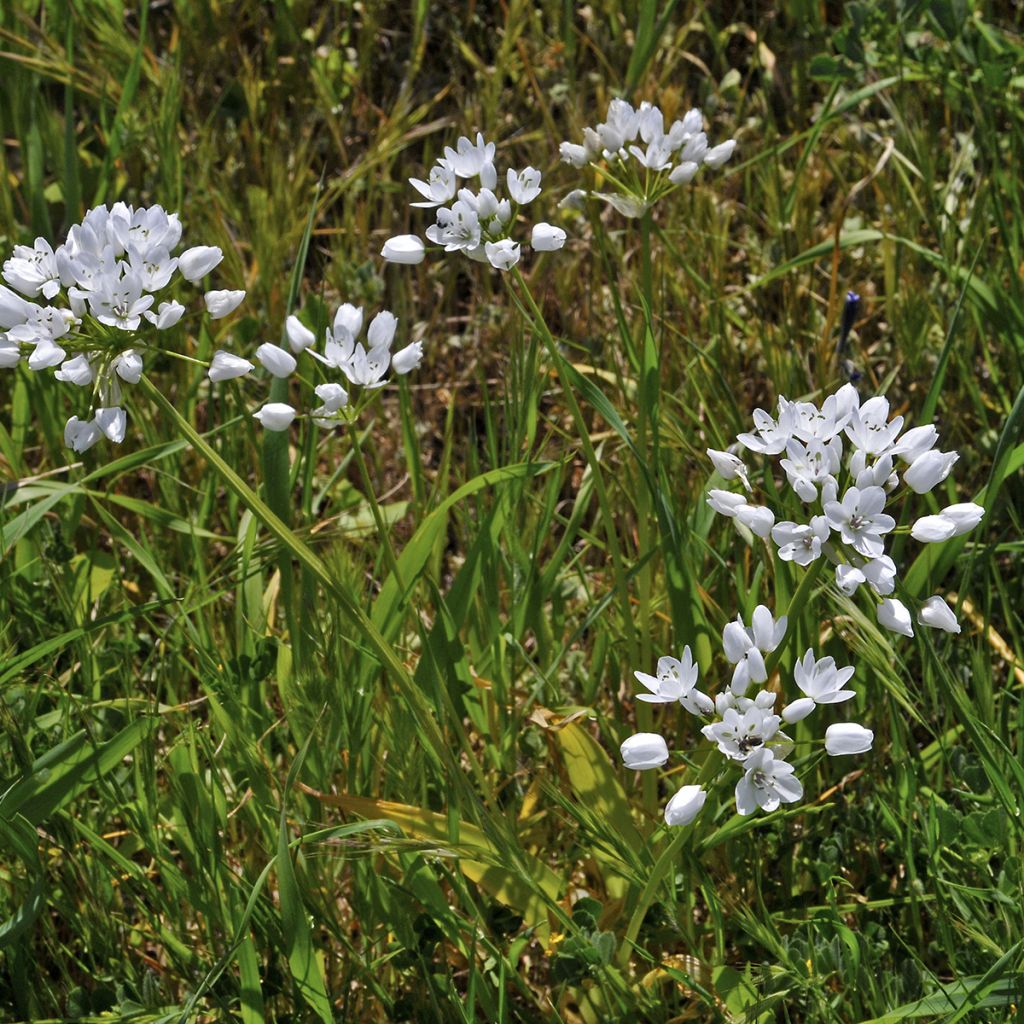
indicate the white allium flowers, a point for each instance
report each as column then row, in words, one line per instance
column 744, row 728
column 844, row 460
column 361, row 364
column 90, row 311
column 478, row 223
column 642, row 157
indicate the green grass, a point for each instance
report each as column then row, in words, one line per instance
column 264, row 762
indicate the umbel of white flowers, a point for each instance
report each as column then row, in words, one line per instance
column 480, row 223
column 89, row 310
column 856, row 442
column 743, row 726
column 640, row 157
column 363, row 366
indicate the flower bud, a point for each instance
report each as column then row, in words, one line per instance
column 13, row 308
column 685, row 805
column 757, row 519
column 716, row 157
column 915, row 442
column 81, row 436
column 112, row 422
column 128, row 366
column 197, row 262
column 503, row 254
column 381, row 331
column 276, row 361
column 407, row 359
column 226, row 366
column 644, row 750
column 167, row 315
column 403, row 249
column 221, row 303
column 300, row 337
column 546, row 237
column 937, row 614
column 684, row 173
column 893, row 615
column 929, row 469
column 45, row 354
column 75, row 371
column 849, row 578
column 275, row 416
column 797, row 710
column 848, row 738
column 10, row 353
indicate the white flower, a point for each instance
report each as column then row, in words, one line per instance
column 644, row 750
column 367, row 368
column 744, row 647
column 728, row 466
column 952, row 521
column 195, row 263
column 81, row 436
column 523, row 186
column 869, row 428
column 684, row 173
column 767, row 783
column 469, row 159
column 801, row 543
column 33, row 270
column 849, row 578
column 726, row 503
column 300, row 337
column 915, row 442
column 436, row 191
column 929, row 469
column 573, row 154
column 739, row 733
column 757, row 519
column 719, row 154
column 46, row 354
column 112, row 422
column 845, row 738
column 334, row 397
column 120, row 303
column 14, row 309
column 880, row 572
column 128, row 366
column 76, row 371
column 381, row 331
column 167, row 315
column 937, row 614
column 771, row 435
column 798, row 710
column 546, row 237
column 821, row 680
column 407, row 359
column 276, row 360
column 685, row 805
column 154, row 267
column 893, row 615
column 878, row 474
column 222, row 303
column 675, row 678
column 275, row 416
column 808, row 466
column 407, row 249
column 10, row 353
column 860, row 521
column 226, row 366
column 503, row 254
column 457, row 228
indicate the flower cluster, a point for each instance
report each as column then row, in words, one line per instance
column 634, row 152
column 478, row 224
column 108, row 272
column 364, row 366
column 743, row 726
column 846, row 461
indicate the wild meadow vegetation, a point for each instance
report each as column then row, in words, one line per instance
column 322, row 715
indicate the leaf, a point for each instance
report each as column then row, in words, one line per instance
column 479, row 859
column 68, row 769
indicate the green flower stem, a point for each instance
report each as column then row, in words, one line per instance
column 540, row 326
column 796, row 606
